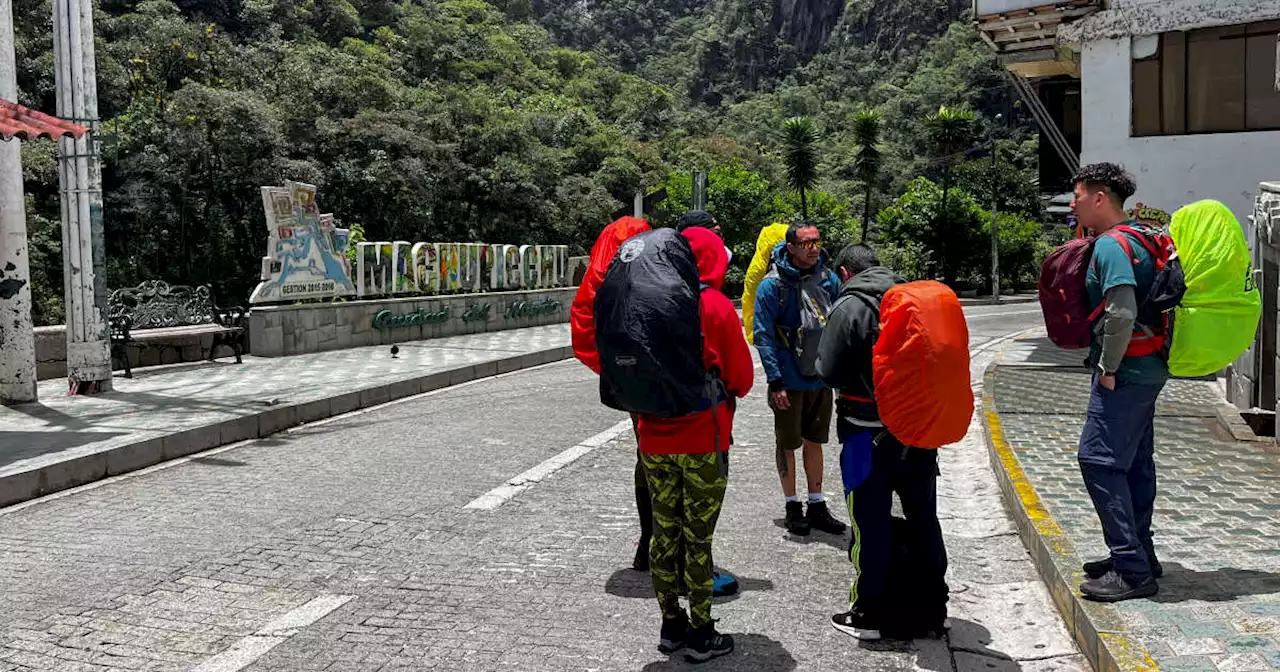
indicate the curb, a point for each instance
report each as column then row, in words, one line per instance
column 1098, row 629
column 51, row 478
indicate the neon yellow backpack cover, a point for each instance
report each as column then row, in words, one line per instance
column 769, row 238
column 1219, row 315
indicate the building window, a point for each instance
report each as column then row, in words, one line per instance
column 1215, row 80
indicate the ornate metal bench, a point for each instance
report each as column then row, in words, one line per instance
column 155, row 314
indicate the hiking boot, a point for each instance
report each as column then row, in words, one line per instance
column 797, row 524
column 856, row 625
column 1111, row 587
column 641, row 561
column 1099, row 568
column 705, row 643
column 675, row 631
column 820, row 519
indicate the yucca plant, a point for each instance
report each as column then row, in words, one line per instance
column 868, row 161
column 800, row 145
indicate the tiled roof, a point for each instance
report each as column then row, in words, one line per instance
column 19, row 122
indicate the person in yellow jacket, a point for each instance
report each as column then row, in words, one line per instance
column 770, row 237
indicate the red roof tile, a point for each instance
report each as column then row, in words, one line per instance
column 26, row 124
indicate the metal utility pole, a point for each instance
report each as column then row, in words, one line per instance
column 700, row 191
column 17, row 335
column 995, row 219
column 80, row 173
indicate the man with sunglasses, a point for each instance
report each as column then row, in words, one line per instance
column 792, row 304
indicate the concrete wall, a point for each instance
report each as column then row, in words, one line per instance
column 276, row 331
column 1172, row 171
column 51, row 352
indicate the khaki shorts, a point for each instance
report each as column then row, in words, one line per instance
column 808, row 419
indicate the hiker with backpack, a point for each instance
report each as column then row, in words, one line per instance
column 1147, row 303
column 583, row 332
column 791, row 309
column 898, row 354
column 672, row 350
column 1117, row 445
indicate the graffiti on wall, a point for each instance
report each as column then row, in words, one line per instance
column 306, row 252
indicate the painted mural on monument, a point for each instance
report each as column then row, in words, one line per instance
column 307, row 253
column 308, row 259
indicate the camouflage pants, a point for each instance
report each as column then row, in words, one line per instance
column 687, row 492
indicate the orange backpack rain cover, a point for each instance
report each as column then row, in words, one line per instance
column 921, row 365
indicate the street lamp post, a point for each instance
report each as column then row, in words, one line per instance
column 995, row 219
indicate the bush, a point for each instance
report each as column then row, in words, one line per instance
column 950, row 244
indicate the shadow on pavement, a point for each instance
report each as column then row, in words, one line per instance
column 751, row 652
column 16, row 446
column 840, row 542
column 1180, row 584
column 630, row 584
column 219, row 462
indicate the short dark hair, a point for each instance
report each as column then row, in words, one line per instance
column 857, row 258
column 1110, row 178
column 698, row 218
column 793, row 231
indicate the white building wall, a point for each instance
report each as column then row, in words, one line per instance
column 1172, row 171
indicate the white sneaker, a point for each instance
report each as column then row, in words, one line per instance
column 855, row 625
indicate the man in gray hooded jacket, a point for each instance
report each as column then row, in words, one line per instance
column 874, row 465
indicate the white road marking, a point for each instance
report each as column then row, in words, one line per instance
column 505, row 492
column 1010, row 313
column 249, row 649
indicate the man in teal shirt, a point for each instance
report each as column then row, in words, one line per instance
column 1117, row 445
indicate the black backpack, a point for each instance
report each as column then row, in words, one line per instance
column 649, row 328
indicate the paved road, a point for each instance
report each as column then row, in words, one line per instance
column 350, row 545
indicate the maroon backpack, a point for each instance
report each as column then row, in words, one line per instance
column 1063, row 298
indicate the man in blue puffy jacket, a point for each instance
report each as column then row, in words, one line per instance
column 792, row 304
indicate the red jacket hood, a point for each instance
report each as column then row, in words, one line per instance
column 712, row 256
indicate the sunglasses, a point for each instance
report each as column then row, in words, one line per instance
column 815, row 244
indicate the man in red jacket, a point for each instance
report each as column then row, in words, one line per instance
column 680, row 458
column 582, row 325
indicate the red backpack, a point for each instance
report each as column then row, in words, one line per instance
column 1065, row 303
column 1063, row 298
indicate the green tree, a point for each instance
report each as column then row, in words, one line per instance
column 868, row 161
column 800, row 146
column 911, row 223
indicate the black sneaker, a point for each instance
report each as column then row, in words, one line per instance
column 856, row 625
column 797, row 523
column 675, row 632
column 641, row 561
column 1099, row 568
column 1111, row 587
column 820, row 519
column 705, row 643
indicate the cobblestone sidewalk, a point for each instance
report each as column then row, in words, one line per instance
column 1216, row 518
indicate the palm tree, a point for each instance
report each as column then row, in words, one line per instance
column 800, row 144
column 868, row 161
column 950, row 132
